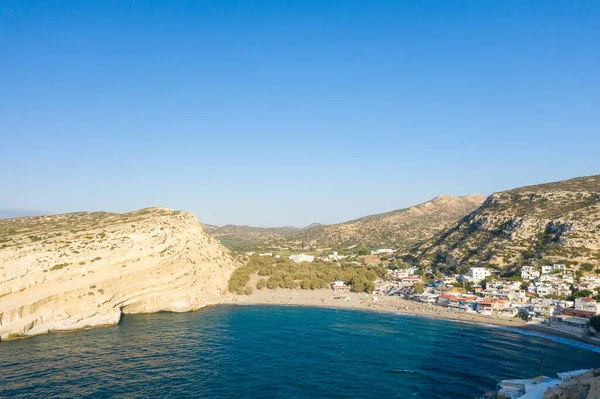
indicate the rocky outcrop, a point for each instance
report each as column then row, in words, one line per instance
column 553, row 222
column 82, row 270
column 586, row 386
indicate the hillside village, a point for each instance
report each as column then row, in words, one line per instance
column 556, row 296
column 531, row 253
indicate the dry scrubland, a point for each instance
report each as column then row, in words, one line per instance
column 80, row 270
column 401, row 228
column 548, row 223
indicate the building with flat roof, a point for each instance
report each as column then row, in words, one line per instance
column 339, row 286
column 572, row 324
column 299, row 258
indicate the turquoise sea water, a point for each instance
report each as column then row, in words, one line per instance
column 279, row 352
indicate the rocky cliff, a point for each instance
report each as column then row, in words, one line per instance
column 551, row 223
column 586, row 386
column 80, row 270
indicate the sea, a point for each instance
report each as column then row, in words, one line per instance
column 281, row 352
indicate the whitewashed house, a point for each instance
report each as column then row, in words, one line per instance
column 299, row 258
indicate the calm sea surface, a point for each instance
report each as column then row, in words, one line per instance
column 279, row 352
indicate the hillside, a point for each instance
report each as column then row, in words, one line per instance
column 551, row 223
column 233, row 236
column 80, row 270
column 398, row 229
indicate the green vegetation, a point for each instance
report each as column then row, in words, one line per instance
column 284, row 273
column 262, row 284
column 59, row 266
column 588, row 267
column 419, row 288
column 582, row 294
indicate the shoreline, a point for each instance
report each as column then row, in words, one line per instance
column 324, row 298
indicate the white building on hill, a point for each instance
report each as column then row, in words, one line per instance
column 382, row 251
column 476, row 274
column 299, row 258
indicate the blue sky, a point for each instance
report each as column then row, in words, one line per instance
column 286, row 113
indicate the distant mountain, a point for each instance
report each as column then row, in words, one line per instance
column 240, row 237
column 398, row 229
column 547, row 223
column 9, row 213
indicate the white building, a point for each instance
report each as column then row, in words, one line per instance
column 477, row 274
column 299, row 258
column 339, row 286
column 559, row 266
column 334, row 256
column 547, row 269
column 587, row 305
column 527, row 269
column 266, row 254
column 382, row 251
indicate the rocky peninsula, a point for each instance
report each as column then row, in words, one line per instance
column 81, row 270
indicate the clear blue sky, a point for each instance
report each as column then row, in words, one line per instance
column 286, row 113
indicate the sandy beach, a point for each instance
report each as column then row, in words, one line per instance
column 392, row 304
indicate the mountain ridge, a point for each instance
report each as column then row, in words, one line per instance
column 553, row 222
column 421, row 220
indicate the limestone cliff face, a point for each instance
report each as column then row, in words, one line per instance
column 81, row 270
column 554, row 222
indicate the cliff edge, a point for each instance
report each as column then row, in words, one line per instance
column 81, row 270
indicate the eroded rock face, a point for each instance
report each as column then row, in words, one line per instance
column 82, row 270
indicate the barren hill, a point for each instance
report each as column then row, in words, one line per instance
column 80, row 270
column 399, row 229
column 552, row 223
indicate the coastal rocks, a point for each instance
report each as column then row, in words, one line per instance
column 586, row 386
column 68, row 272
